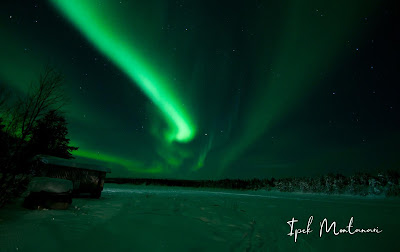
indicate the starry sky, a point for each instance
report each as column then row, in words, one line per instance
column 216, row 89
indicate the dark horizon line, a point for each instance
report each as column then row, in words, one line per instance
column 383, row 183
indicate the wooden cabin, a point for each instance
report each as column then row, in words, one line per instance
column 86, row 178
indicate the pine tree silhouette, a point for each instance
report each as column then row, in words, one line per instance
column 49, row 136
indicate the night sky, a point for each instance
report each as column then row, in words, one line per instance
column 216, row 89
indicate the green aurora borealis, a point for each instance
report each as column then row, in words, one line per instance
column 104, row 35
column 205, row 89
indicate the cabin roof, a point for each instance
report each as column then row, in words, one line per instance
column 45, row 159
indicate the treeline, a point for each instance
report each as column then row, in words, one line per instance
column 384, row 183
column 30, row 125
column 253, row 184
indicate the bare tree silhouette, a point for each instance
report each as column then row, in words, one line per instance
column 46, row 95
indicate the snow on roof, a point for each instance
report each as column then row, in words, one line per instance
column 70, row 163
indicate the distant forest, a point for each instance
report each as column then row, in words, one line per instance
column 385, row 183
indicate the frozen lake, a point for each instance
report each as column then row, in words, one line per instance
column 150, row 218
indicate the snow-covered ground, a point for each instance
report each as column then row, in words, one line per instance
column 144, row 218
